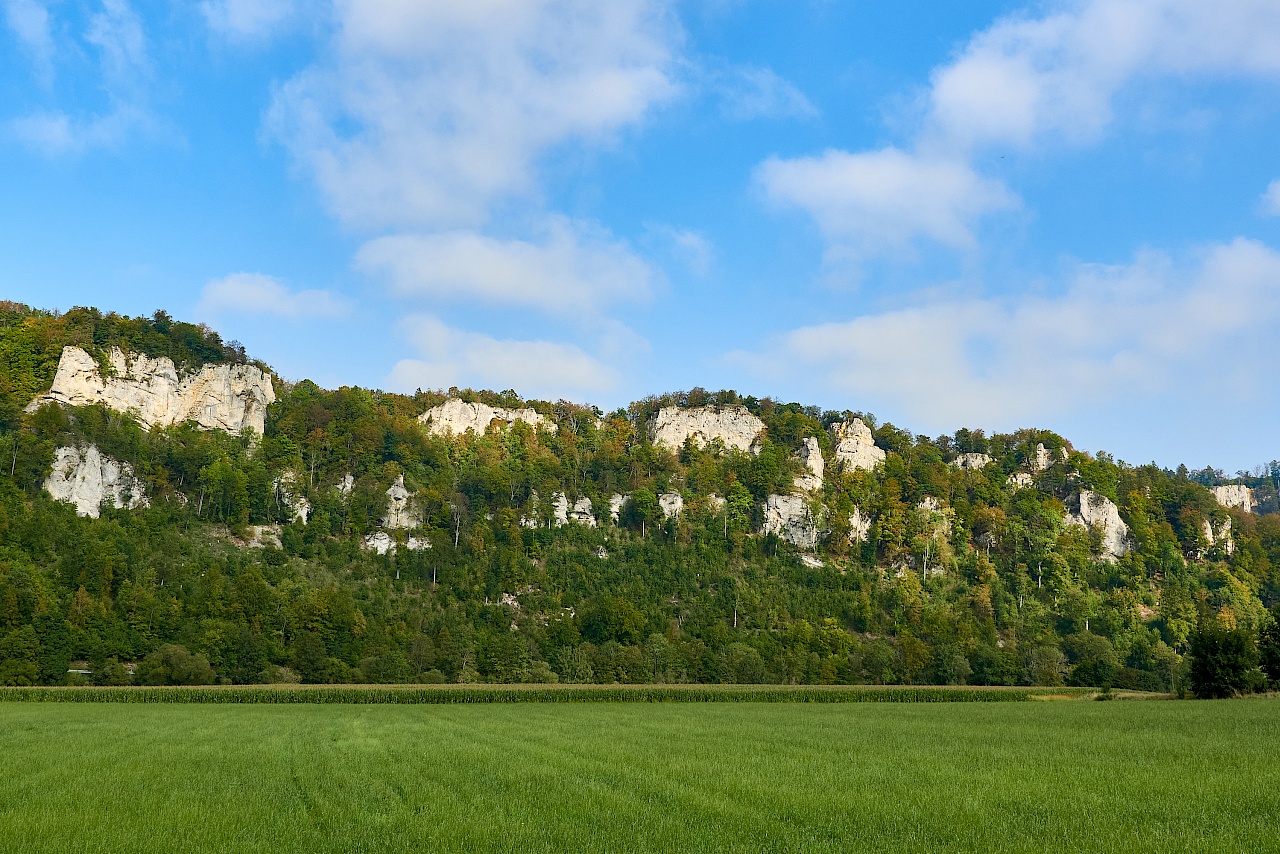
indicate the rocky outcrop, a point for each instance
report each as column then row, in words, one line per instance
column 859, row 526
column 288, row 494
column 1021, row 480
column 789, row 517
column 1042, row 457
column 1091, row 510
column 811, row 455
column 263, row 536
column 734, row 426
column 855, row 447
column 86, row 478
column 217, row 397
column 715, row 504
column 456, row 417
column 1216, row 536
column 672, row 504
column 1235, row 495
column 401, row 513
column 580, row 511
column 615, row 507
column 972, row 462
column 380, row 542
column 345, row 486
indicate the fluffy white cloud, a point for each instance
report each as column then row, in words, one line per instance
column 749, row 92
column 427, row 112
column 248, row 20
column 571, row 270
column 1119, row 337
column 1027, row 80
column 259, row 294
column 1271, row 199
column 453, row 357
column 867, row 202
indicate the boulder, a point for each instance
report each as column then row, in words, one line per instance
column 580, row 511
column 672, row 504
column 972, row 462
column 1235, row 495
column 380, row 542
column 732, row 425
column 456, row 417
column 789, row 517
column 86, row 478
column 855, row 447
column 217, row 397
column 1091, row 510
column 811, row 455
column 401, row 513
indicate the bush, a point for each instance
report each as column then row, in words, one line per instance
column 172, row 664
column 1269, row 648
column 1222, row 661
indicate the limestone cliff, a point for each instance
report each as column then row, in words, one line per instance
column 859, row 526
column 400, row 510
column 1091, row 510
column 672, row 504
column 1235, row 495
column 811, row 455
column 290, row 495
column 972, row 462
column 217, row 397
column 789, row 517
column 855, row 447
column 86, row 478
column 1219, row 536
column 732, row 425
column 580, row 511
column 457, row 417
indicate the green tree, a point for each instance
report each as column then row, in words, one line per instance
column 1221, row 660
column 173, row 664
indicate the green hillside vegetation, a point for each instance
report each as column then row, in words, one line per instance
column 1020, row 598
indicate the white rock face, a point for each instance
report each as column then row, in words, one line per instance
column 378, row 541
column 1091, row 510
column 345, row 485
column 615, row 506
column 1235, row 495
column 1021, row 480
column 811, row 455
column 672, row 504
column 579, row 512
column 262, row 536
column 218, row 397
column 1221, row 535
column 789, row 517
column 86, row 478
column 811, row 562
column 972, row 462
column 400, row 510
column 418, row 544
column 288, row 494
column 1041, row 459
column 859, row 526
column 715, row 504
column 457, row 417
column 855, row 447
column 732, row 425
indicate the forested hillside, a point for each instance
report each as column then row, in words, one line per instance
column 931, row 567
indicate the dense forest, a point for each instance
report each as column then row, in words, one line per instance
column 961, row 577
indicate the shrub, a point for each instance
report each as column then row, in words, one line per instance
column 172, row 664
column 1222, row 661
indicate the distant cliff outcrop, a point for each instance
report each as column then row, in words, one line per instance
column 217, row 397
column 733, row 426
column 87, row 478
column 456, row 417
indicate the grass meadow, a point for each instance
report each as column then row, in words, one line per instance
column 1004, row 776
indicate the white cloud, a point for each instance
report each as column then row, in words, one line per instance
column 1271, row 199
column 259, row 294
column 248, row 20
column 571, row 270
column 748, row 92
column 1118, row 337
column 1027, row 80
column 453, row 357
column 29, row 21
column 868, row 202
column 427, row 112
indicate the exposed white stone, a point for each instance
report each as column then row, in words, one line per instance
column 855, row 446
column 345, row 485
column 715, row 503
column 457, row 417
column 859, row 526
column 1041, row 459
column 1091, row 510
column 378, row 541
column 1021, row 479
column 401, row 512
column 531, row 518
column 86, row 478
column 672, row 504
column 1219, row 535
column 601, row 553
column 811, row 455
column 580, row 511
column 811, row 562
column 262, row 536
column 615, row 506
column 288, row 494
column 732, row 425
column 418, row 544
column 789, row 517
column 217, row 397
column 973, row 462
column 1235, row 495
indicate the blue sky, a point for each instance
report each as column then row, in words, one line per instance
column 1063, row 214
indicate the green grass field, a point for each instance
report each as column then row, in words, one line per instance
column 1029, row 776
